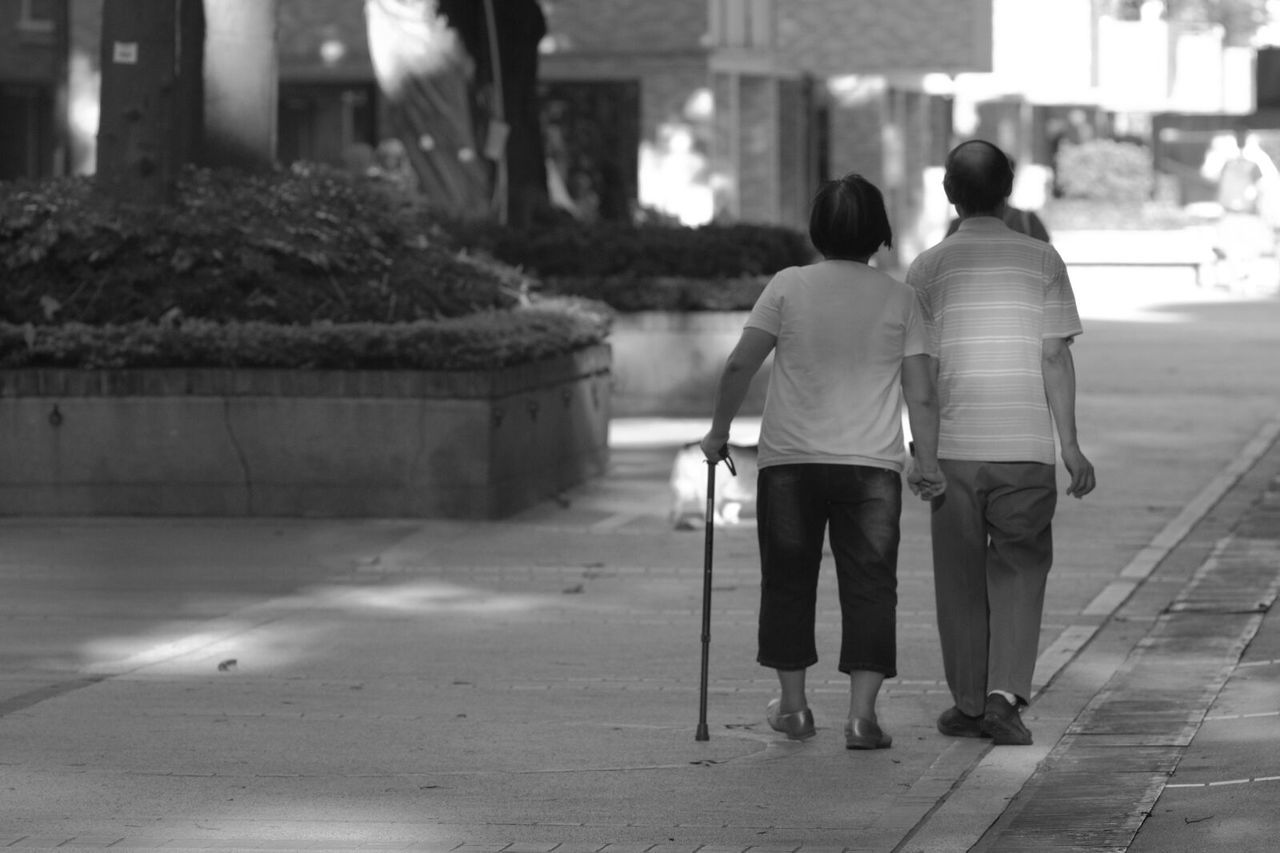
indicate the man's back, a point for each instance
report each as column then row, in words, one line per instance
column 989, row 297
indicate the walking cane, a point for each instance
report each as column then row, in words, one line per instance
column 706, row 587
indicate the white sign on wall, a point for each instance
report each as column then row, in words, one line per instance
column 124, row 53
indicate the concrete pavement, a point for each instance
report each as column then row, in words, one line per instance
column 532, row 685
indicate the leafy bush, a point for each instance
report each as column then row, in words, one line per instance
column 644, row 252
column 293, row 246
column 628, row 294
column 479, row 341
column 1070, row 214
column 1106, row 170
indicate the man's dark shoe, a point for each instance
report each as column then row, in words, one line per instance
column 1003, row 724
column 956, row 723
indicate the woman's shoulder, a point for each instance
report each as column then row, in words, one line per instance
column 890, row 279
column 788, row 274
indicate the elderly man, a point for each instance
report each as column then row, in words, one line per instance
column 1001, row 318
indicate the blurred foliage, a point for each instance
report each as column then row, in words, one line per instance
column 292, row 246
column 654, row 266
column 628, row 294
column 1077, row 214
column 1240, row 19
column 642, row 252
column 305, row 268
column 481, row 341
column 313, row 268
column 1106, row 170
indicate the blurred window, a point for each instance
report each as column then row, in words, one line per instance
column 741, row 23
column 36, row 16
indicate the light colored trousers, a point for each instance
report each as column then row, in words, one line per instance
column 992, row 549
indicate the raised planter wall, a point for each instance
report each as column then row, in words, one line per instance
column 301, row 443
column 667, row 364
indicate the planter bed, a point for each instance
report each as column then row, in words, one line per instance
column 263, row 442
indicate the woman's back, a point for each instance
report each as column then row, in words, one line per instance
column 834, row 396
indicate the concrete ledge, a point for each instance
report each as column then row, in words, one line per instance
column 301, row 443
column 1188, row 251
column 667, row 363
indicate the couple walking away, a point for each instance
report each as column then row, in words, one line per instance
column 976, row 343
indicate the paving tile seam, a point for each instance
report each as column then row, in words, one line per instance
column 177, row 843
column 251, row 682
column 1064, row 652
column 1218, row 718
column 1152, row 653
column 1222, row 783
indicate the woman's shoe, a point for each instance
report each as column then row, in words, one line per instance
column 798, row 725
column 865, row 734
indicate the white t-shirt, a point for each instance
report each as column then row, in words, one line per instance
column 835, row 392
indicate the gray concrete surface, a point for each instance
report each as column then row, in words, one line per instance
column 532, row 684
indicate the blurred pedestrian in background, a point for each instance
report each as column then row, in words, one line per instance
column 1244, row 176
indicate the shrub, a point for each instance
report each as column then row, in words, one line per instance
column 642, row 252
column 293, row 246
column 628, row 294
column 1106, row 170
column 479, row 341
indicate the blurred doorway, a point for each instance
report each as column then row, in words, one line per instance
column 592, row 132
column 26, row 131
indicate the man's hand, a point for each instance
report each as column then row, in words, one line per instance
column 1081, row 471
column 926, row 483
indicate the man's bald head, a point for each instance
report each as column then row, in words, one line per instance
column 979, row 177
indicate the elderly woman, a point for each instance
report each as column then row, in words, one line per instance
column 849, row 346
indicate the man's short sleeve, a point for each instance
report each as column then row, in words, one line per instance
column 1061, row 317
column 767, row 313
column 917, row 279
column 916, row 337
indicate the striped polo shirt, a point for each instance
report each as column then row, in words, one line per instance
column 989, row 297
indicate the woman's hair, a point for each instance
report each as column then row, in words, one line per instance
column 848, row 220
column 979, row 176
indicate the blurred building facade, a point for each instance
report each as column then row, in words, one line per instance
column 694, row 110
column 32, row 36
column 745, row 106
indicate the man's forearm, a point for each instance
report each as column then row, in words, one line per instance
column 1059, row 373
column 923, row 417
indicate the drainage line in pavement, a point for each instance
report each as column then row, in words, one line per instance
column 35, row 697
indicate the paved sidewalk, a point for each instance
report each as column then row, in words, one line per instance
column 532, row 685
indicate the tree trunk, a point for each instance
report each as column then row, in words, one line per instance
column 520, row 28
column 240, row 84
column 138, row 154
column 511, row 50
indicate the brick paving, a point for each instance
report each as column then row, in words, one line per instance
column 531, row 685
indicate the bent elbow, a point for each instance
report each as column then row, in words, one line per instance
column 737, row 364
column 1055, row 358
